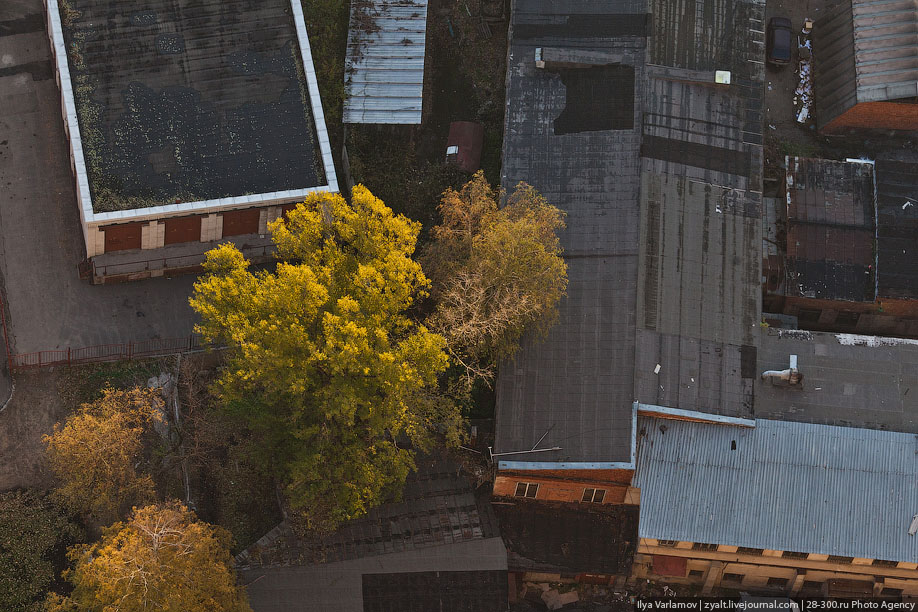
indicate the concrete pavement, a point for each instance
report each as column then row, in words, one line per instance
column 41, row 243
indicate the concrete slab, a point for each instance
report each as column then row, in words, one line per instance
column 41, row 243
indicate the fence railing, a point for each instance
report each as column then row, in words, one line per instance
column 106, row 352
column 175, row 262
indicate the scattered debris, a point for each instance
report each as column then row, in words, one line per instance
column 803, row 94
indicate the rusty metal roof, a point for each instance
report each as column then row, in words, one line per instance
column 831, row 228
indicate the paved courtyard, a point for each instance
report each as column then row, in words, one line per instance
column 41, row 243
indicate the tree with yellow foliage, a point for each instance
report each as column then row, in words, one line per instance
column 497, row 272
column 96, row 452
column 326, row 367
column 162, row 559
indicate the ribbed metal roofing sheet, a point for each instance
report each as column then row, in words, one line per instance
column 786, row 486
column 867, row 51
column 384, row 74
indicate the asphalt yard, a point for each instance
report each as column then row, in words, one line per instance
column 41, row 244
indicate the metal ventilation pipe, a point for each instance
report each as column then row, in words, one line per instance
column 790, row 376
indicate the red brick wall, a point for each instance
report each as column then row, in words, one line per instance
column 876, row 116
column 567, row 485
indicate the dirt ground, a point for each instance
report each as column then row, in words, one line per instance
column 784, row 136
column 31, row 413
column 41, row 398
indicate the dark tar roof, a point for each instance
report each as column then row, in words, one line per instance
column 190, row 100
column 831, row 229
column 545, row 537
column 848, row 380
column 865, row 52
column 662, row 190
column 897, row 221
column 577, row 383
column 425, row 549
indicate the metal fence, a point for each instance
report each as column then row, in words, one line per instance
column 176, row 263
column 106, row 352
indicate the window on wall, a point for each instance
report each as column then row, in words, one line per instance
column 667, row 543
column 732, row 578
column 847, row 319
column 812, row 585
column 593, row 495
column 703, row 546
column 806, row 315
column 526, row 489
column 778, row 582
column 744, row 550
column 891, row 592
column 882, row 563
column 696, row 573
column 839, row 559
column 794, row 555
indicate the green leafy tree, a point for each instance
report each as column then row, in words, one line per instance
column 498, row 272
column 162, row 559
column 96, row 452
column 326, row 367
column 33, row 531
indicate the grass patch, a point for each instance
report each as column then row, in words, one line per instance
column 797, row 149
column 84, row 383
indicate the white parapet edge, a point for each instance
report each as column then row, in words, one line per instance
column 90, row 218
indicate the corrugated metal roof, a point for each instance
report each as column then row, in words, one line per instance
column 867, row 51
column 384, row 74
column 787, row 486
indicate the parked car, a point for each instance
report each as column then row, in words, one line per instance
column 778, row 41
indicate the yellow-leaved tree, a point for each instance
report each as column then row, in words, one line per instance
column 326, row 367
column 95, row 454
column 497, row 272
column 162, row 559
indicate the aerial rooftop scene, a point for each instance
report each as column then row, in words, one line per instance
column 454, row 305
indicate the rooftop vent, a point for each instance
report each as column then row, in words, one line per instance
column 790, row 377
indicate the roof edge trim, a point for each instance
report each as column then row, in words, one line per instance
column 580, row 465
column 664, row 412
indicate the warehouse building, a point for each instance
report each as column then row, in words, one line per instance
column 795, row 508
column 866, row 66
column 188, row 124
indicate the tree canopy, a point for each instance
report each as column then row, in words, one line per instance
column 33, row 531
column 162, row 559
column 96, row 453
column 326, row 366
column 498, row 272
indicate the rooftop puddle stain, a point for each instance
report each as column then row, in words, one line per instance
column 598, row 99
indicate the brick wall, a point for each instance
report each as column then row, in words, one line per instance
column 567, row 485
column 875, row 116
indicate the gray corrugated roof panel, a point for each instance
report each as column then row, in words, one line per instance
column 866, row 51
column 851, row 491
column 386, row 47
column 574, row 134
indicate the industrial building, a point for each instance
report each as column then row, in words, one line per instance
column 866, row 66
column 843, row 235
column 187, row 125
column 662, row 391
